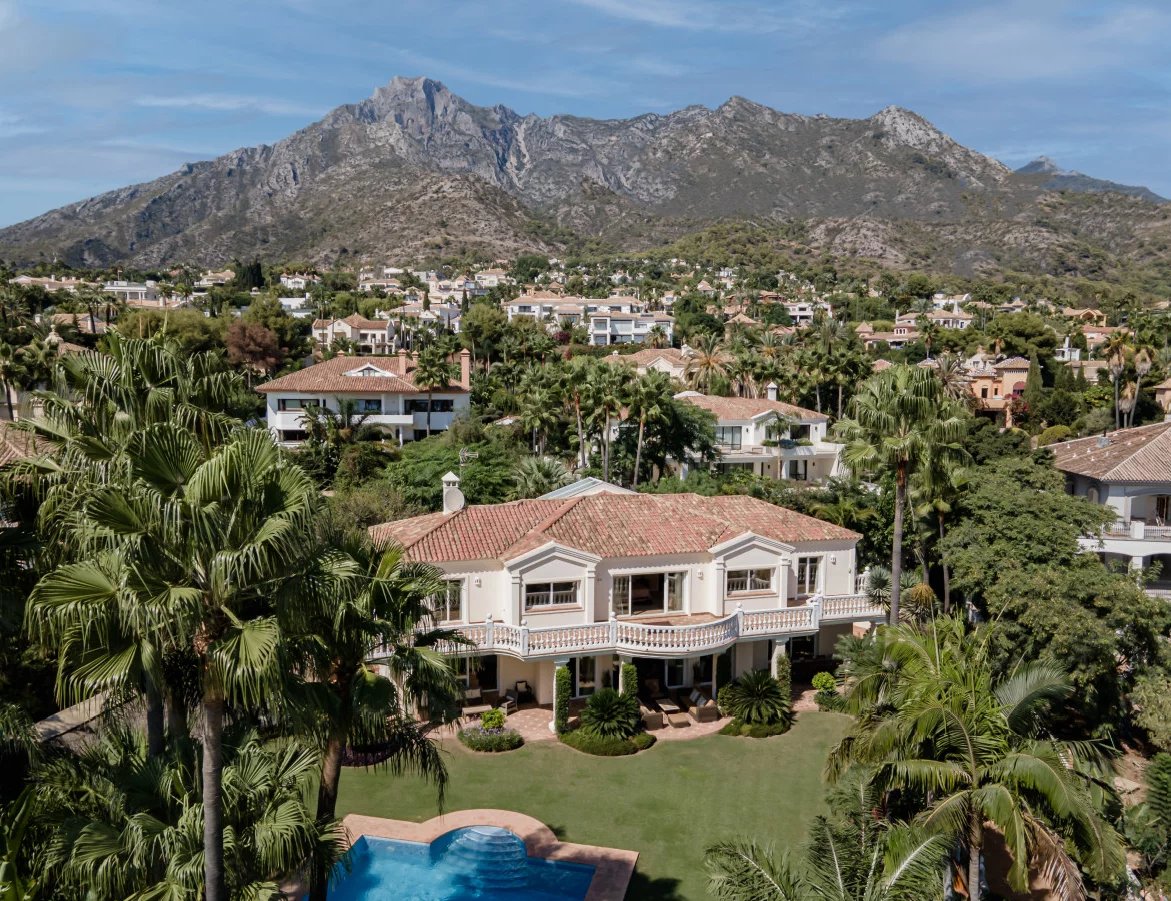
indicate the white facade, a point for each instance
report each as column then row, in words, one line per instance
column 608, row 328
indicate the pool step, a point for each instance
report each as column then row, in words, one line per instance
column 495, row 855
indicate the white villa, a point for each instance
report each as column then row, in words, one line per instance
column 800, row 451
column 692, row 590
column 1129, row 471
column 608, row 328
column 372, row 336
column 383, row 388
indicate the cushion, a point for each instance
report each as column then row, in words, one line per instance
column 710, row 703
column 696, row 698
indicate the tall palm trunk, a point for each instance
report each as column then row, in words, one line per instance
column 1138, row 386
column 331, row 769
column 638, row 449
column 215, row 887
column 8, row 401
column 839, row 400
column 946, row 572
column 975, row 849
column 896, row 557
column 428, row 414
column 1116, row 411
column 177, row 727
column 156, row 740
column 581, row 448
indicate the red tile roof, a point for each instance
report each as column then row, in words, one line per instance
column 1141, row 454
column 605, row 525
column 330, row 376
column 748, row 407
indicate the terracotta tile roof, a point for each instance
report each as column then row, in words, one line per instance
column 1140, row 454
column 354, row 321
column 330, row 376
column 1012, row 363
column 606, row 525
column 15, row 445
column 748, row 407
column 647, row 356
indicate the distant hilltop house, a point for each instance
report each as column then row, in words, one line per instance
column 52, row 283
column 134, row 293
column 770, row 438
column 382, row 388
column 298, row 281
column 214, row 279
column 667, row 360
column 493, row 278
column 618, row 319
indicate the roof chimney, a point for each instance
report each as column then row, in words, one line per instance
column 1103, row 441
column 453, row 498
column 771, row 388
column 465, row 371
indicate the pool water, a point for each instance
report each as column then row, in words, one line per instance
column 485, row 863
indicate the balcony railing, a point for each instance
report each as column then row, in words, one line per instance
column 647, row 639
column 1136, row 529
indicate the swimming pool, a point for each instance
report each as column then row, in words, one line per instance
column 484, row 863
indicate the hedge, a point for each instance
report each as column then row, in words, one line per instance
column 629, row 680
column 588, row 743
column 491, row 740
column 563, row 685
column 735, row 727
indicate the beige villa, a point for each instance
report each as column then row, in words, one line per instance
column 692, row 590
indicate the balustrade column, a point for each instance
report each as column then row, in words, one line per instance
column 780, row 649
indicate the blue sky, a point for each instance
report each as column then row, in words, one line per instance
column 97, row 94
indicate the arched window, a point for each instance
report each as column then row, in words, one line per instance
column 1092, row 496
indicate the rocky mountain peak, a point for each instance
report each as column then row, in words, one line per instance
column 1042, row 165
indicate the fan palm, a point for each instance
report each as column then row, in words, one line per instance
column 539, row 475
column 605, row 396
column 432, row 371
column 949, row 369
column 195, row 548
column 939, row 721
column 650, row 396
column 899, row 422
column 363, row 605
column 12, row 371
column 706, row 364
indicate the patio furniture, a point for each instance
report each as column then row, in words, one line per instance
column 667, row 706
column 508, row 702
column 702, row 708
column 524, row 693
column 474, row 703
column 651, row 719
column 473, row 710
column 678, row 720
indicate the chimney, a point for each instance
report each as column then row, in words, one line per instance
column 1103, row 440
column 771, row 388
column 465, row 371
column 453, row 498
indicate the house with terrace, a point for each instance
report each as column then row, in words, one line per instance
column 1129, row 471
column 770, row 438
column 692, row 590
column 368, row 336
column 382, row 388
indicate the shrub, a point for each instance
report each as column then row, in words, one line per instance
column 642, row 741
column 1053, row 434
column 756, row 699
column 755, row 730
column 610, row 715
column 784, row 676
column 630, row 680
column 825, row 682
column 562, row 685
column 599, row 745
column 491, row 741
column 491, row 720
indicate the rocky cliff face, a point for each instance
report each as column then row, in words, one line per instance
column 414, row 169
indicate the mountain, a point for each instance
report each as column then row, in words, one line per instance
column 415, row 170
column 1054, row 178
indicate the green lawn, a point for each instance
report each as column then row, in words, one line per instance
column 667, row 803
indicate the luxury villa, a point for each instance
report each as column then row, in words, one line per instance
column 382, row 388
column 692, row 590
column 1129, row 471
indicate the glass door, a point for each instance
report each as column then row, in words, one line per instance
column 674, row 589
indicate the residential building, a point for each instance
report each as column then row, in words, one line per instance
column 297, row 307
column 953, row 319
column 995, row 385
column 1163, row 395
column 664, row 359
column 493, row 278
column 298, row 281
column 371, row 336
column 1097, row 335
column 796, row 447
column 53, row 283
column 1088, row 316
column 608, row 327
column 134, row 293
column 1129, row 471
column 691, row 590
column 803, row 312
column 383, row 388
column 213, row 279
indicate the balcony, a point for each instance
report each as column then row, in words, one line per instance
column 1137, row 529
column 654, row 639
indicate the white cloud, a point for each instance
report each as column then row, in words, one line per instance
column 227, row 103
column 1049, row 39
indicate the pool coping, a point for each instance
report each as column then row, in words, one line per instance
column 613, row 867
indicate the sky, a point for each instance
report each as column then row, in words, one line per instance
column 98, row 94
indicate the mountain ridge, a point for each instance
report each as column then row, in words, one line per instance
column 415, row 170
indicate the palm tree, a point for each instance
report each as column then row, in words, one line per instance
column 126, row 824
column 939, row 720
column 1142, row 365
column 539, row 410
column 649, row 397
column 949, row 369
column 198, row 547
column 605, row 396
column 656, row 337
column 574, row 379
column 707, row 363
column 374, row 602
column 1115, row 350
column 337, row 428
column 899, row 421
column 433, row 370
column 539, row 475
column 12, row 371
column 929, row 332
column 851, row 855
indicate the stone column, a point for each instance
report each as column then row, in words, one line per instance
column 623, row 659
column 780, row 649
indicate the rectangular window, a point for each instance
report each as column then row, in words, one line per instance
column 366, row 405
column 448, row 607
column 416, row 405
column 284, row 404
column 587, row 675
column 649, row 593
column 674, row 673
column 622, row 595
column 540, row 595
column 749, row 580
column 443, row 405
column 799, row 470
column 729, row 437
column 808, row 575
column 674, row 583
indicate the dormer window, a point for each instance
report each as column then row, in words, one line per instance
column 369, row 370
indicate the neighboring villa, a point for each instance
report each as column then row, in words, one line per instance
column 614, row 320
column 628, row 328
column 52, row 283
column 995, row 385
column 382, row 387
column 692, row 590
column 371, row 336
column 1129, row 471
column 664, row 359
column 298, row 281
column 798, row 451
